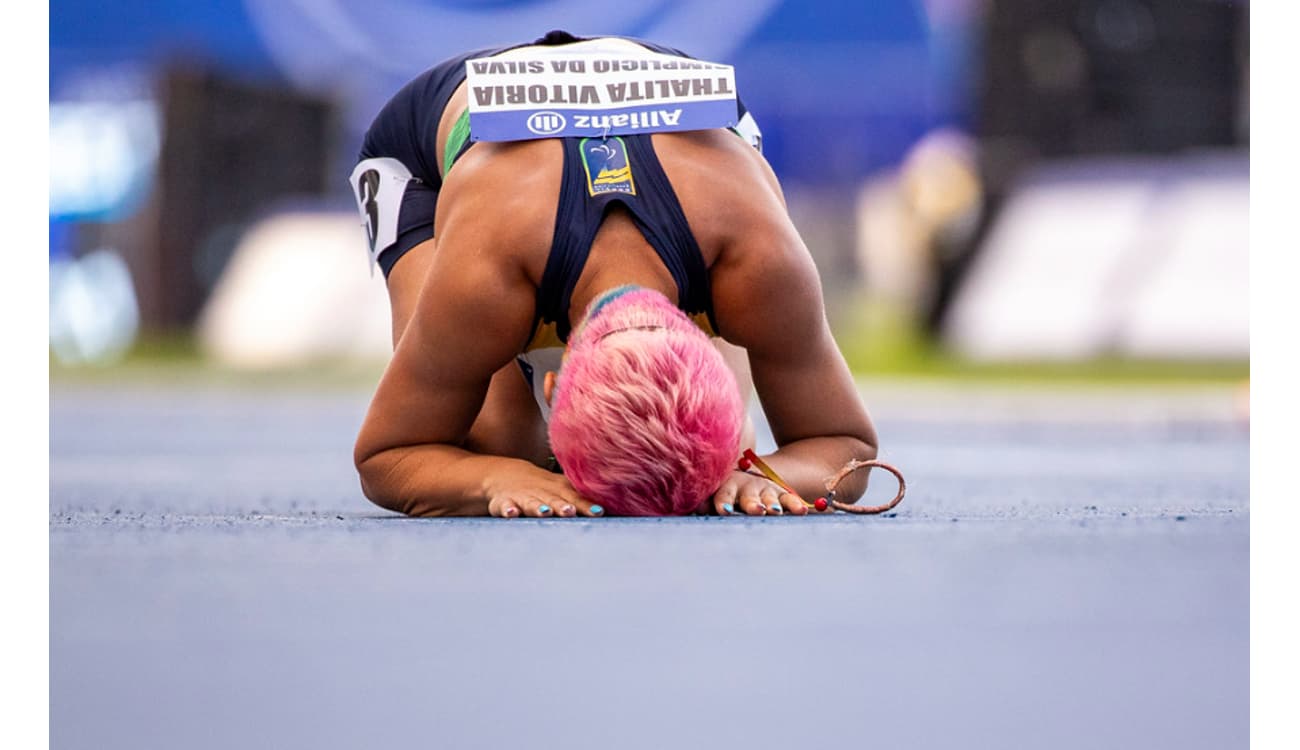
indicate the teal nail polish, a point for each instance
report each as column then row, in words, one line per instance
column 596, row 509
column 777, row 509
column 544, row 509
column 729, row 508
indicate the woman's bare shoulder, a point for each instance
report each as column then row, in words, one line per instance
column 503, row 194
column 725, row 187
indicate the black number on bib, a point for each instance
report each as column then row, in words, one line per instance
column 368, row 189
column 378, row 185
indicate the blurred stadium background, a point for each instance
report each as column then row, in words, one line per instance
column 989, row 186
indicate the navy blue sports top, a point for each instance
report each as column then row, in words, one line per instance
column 598, row 172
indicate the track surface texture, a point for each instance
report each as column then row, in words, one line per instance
column 1069, row 570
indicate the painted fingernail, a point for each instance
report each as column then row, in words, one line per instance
column 597, row 510
column 729, row 508
column 777, row 509
column 544, row 509
column 567, row 510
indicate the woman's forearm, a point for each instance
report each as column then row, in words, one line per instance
column 806, row 465
column 430, row 480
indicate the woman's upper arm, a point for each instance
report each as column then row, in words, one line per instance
column 476, row 303
column 767, row 297
column 470, row 319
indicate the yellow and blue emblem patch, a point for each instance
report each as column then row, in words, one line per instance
column 607, row 165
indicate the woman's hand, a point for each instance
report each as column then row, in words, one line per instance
column 526, row 490
column 754, row 495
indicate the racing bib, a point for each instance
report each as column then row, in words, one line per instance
column 378, row 185
column 570, row 92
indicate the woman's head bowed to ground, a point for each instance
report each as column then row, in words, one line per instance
column 646, row 414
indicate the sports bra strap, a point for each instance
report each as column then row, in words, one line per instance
column 655, row 211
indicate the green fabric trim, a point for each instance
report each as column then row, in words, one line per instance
column 455, row 140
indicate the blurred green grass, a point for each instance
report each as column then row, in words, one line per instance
column 177, row 359
column 879, row 342
column 876, row 343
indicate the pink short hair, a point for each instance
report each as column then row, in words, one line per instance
column 646, row 416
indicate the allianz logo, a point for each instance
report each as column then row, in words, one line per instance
column 548, row 122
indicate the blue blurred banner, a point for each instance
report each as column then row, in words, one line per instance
column 839, row 87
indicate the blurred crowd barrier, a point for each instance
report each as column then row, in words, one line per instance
column 1019, row 179
column 1097, row 204
column 295, row 291
column 1116, row 256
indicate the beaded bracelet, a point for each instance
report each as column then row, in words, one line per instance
column 751, row 460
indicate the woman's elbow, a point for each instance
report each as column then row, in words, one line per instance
column 866, row 445
column 374, row 471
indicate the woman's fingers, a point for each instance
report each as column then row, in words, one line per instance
column 567, row 496
column 588, row 509
column 545, row 505
column 756, row 496
column 503, row 508
column 749, row 501
column 724, row 500
column 793, row 504
column 536, row 507
column 561, row 508
column 749, row 496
